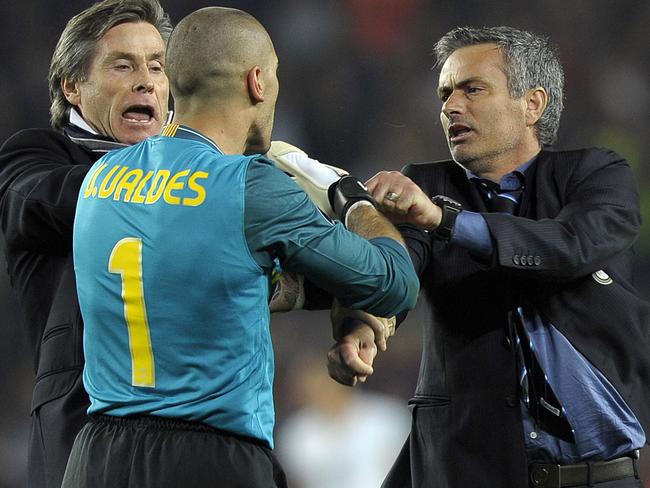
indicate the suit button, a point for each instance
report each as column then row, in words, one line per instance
column 537, row 260
column 529, row 260
column 507, row 342
column 511, row 401
column 515, row 259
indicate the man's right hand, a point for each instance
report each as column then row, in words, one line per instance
column 402, row 201
column 350, row 360
column 346, row 319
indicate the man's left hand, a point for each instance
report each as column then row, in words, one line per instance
column 313, row 176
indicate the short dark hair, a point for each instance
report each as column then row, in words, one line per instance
column 76, row 46
column 530, row 62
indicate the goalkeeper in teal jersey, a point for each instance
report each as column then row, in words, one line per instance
column 175, row 241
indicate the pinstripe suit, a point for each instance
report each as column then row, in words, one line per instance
column 578, row 220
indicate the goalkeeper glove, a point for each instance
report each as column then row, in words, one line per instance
column 329, row 187
column 311, row 175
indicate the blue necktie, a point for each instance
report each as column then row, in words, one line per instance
column 536, row 392
column 500, row 200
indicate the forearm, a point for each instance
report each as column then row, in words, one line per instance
column 377, row 276
column 369, row 224
column 559, row 250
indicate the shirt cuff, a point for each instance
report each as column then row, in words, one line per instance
column 471, row 232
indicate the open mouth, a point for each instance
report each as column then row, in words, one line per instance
column 140, row 114
column 458, row 132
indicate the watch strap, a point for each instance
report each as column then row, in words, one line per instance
column 450, row 210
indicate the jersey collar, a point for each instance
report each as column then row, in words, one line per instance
column 184, row 132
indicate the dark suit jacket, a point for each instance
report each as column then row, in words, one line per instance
column 579, row 214
column 41, row 172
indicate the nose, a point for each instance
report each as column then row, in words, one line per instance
column 453, row 104
column 144, row 82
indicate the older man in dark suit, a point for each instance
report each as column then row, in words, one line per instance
column 535, row 367
column 108, row 89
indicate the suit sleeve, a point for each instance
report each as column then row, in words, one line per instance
column 418, row 244
column 281, row 221
column 598, row 219
column 39, row 185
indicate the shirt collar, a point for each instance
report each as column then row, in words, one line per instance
column 184, row 132
column 510, row 181
column 80, row 132
column 77, row 120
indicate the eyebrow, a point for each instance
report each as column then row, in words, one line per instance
column 463, row 83
column 127, row 55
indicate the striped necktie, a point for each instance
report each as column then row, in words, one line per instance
column 500, row 200
column 536, row 392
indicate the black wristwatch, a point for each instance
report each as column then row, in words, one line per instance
column 450, row 210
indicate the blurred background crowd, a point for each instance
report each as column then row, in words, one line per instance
column 358, row 91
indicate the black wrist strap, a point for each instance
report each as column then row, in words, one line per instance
column 450, row 210
column 346, row 192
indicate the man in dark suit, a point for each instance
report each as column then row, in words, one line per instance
column 108, row 89
column 535, row 367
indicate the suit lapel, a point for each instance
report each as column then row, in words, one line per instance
column 528, row 206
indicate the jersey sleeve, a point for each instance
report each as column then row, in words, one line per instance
column 282, row 222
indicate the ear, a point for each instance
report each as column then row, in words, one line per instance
column 255, row 85
column 71, row 91
column 536, row 101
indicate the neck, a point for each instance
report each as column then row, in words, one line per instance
column 501, row 165
column 226, row 126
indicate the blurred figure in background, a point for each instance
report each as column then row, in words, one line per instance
column 338, row 437
column 108, row 90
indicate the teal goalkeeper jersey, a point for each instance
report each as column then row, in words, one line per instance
column 174, row 243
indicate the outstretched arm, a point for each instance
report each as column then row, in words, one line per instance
column 40, row 176
column 376, row 275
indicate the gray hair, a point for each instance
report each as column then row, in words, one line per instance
column 530, row 62
column 76, row 46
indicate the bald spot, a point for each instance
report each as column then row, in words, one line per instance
column 211, row 50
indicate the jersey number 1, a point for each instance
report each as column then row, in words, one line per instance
column 126, row 260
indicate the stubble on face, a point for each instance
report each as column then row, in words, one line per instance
column 500, row 140
column 484, row 126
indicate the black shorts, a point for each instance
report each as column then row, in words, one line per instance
column 142, row 452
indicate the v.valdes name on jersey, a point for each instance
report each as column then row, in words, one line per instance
column 133, row 185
